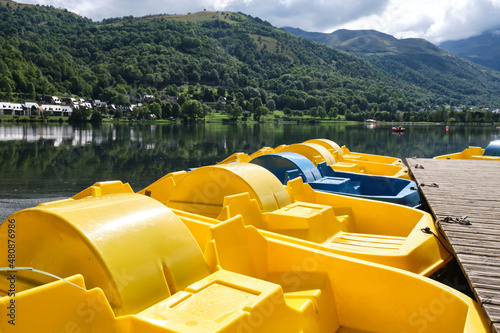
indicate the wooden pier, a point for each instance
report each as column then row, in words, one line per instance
column 456, row 189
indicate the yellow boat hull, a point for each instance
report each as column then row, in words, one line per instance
column 131, row 265
column 490, row 153
column 339, row 159
column 380, row 232
column 471, row 153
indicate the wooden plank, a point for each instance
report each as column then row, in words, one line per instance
column 472, row 188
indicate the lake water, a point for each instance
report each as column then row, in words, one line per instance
column 44, row 160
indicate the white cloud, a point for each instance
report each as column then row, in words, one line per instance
column 434, row 20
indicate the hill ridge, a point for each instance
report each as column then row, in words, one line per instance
column 415, row 61
column 48, row 51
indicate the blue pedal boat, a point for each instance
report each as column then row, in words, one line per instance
column 287, row 166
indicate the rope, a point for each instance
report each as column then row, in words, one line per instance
column 7, row 269
column 428, row 230
column 460, row 220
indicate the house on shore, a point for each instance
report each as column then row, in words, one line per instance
column 222, row 100
column 11, row 108
column 57, row 110
column 67, row 110
column 31, row 109
column 51, row 110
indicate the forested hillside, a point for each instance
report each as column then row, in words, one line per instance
column 418, row 62
column 47, row 51
column 483, row 49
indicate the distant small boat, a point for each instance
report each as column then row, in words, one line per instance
column 398, row 129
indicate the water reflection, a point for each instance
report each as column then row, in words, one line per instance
column 63, row 159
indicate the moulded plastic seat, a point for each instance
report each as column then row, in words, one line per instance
column 287, row 166
column 343, row 154
column 145, row 273
column 365, row 229
column 281, row 164
column 317, row 153
column 313, row 151
column 204, row 189
column 383, row 188
column 125, row 244
column 493, row 149
column 332, row 146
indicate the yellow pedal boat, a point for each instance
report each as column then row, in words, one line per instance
column 379, row 232
column 343, row 154
column 322, row 150
column 125, row 263
column 490, row 153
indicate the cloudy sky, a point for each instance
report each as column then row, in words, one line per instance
column 434, row 20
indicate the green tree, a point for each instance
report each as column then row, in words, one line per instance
column 234, row 111
column 469, row 117
column 321, row 112
column 118, row 114
column 176, row 110
column 221, row 91
column 259, row 112
column 166, row 110
column 256, row 102
column 181, row 100
column 488, row 116
column 355, row 108
column 96, row 116
column 77, row 116
column 155, row 108
column 271, row 104
column 192, row 109
column 333, row 113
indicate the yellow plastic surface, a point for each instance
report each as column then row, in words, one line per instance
column 343, row 154
column 206, row 188
column 332, row 146
column 103, row 188
column 161, row 189
column 371, row 230
column 355, row 156
column 312, row 151
column 262, row 151
column 317, row 151
column 324, row 150
column 109, row 240
column 471, row 153
column 236, row 158
column 245, row 280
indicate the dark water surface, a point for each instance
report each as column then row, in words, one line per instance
column 38, row 161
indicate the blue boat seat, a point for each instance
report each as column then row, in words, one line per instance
column 288, row 166
column 335, row 184
column 493, row 149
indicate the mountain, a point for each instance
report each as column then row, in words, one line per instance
column 415, row 61
column 368, row 42
column 483, row 49
column 49, row 51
